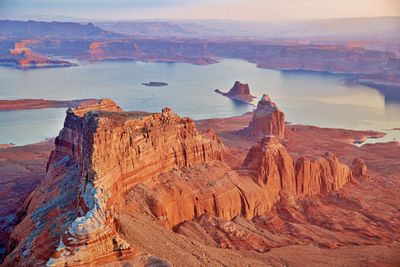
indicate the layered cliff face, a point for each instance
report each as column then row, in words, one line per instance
column 239, row 92
column 21, row 56
column 108, row 164
column 100, row 153
column 224, row 211
column 267, row 120
column 147, row 50
column 267, row 172
column 278, row 172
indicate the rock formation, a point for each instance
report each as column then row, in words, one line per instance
column 267, row 172
column 267, row 120
column 108, row 164
column 239, row 92
column 100, row 153
column 224, row 212
column 278, row 172
column 359, row 167
column 23, row 57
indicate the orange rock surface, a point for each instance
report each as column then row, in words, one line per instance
column 149, row 188
column 100, row 153
column 278, row 172
column 267, row 119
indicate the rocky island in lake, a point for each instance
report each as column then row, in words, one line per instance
column 239, row 92
column 155, row 84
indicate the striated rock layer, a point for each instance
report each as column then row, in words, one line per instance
column 267, row 119
column 267, row 172
column 231, row 214
column 99, row 154
column 278, row 172
column 108, row 163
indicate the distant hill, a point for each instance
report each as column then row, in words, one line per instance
column 59, row 30
column 152, row 28
column 371, row 28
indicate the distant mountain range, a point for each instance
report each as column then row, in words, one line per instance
column 341, row 29
column 373, row 28
column 60, row 30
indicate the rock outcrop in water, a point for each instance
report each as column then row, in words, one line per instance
column 239, row 91
column 267, row 120
column 21, row 56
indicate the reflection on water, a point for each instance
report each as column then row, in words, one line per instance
column 306, row 97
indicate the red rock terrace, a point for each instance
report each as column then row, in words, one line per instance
column 108, row 164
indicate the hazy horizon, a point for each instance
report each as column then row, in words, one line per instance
column 238, row 10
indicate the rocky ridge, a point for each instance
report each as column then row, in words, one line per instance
column 108, row 163
column 99, row 154
column 278, row 172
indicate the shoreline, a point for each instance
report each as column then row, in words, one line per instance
column 359, row 137
column 28, row 104
column 359, row 77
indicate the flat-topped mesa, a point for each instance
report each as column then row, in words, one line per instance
column 100, row 154
column 70, row 139
column 239, row 92
column 278, row 172
column 267, row 120
column 104, row 104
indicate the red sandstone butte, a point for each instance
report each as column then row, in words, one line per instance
column 267, row 120
column 239, row 92
column 278, row 172
column 100, row 153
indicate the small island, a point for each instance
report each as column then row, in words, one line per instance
column 155, row 84
column 239, row 92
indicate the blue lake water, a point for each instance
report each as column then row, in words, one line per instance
column 305, row 97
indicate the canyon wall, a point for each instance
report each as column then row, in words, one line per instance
column 99, row 154
column 282, row 56
column 267, row 172
column 108, row 163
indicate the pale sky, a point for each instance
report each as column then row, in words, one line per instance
column 255, row 10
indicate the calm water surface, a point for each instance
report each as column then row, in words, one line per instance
column 305, row 97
